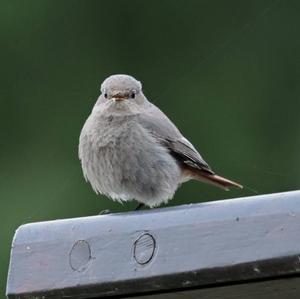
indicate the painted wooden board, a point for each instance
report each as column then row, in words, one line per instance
column 197, row 247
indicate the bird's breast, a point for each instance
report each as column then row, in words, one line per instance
column 121, row 157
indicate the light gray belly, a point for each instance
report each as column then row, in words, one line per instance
column 124, row 161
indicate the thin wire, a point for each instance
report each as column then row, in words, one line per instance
column 225, row 43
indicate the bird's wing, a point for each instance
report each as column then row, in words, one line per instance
column 160, row 126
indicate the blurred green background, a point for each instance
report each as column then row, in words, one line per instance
column 226, row 72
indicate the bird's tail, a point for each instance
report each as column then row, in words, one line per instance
column 217, row 181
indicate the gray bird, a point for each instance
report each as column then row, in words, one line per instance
column 129, row 149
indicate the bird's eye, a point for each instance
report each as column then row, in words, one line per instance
column 132, row 95
column 105, row 95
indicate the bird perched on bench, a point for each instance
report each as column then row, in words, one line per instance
column 130, row 150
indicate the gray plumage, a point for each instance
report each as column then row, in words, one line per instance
column 129, row 149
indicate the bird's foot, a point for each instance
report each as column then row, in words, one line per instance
column 139, row 207
column 104, row 212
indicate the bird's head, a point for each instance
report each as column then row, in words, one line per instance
column 119, row 88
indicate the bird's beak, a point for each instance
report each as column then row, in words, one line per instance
column 119, row 97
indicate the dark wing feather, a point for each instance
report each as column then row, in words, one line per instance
column 159, row 125
column 183, row 152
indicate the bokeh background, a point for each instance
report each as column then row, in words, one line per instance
column 226, row 72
